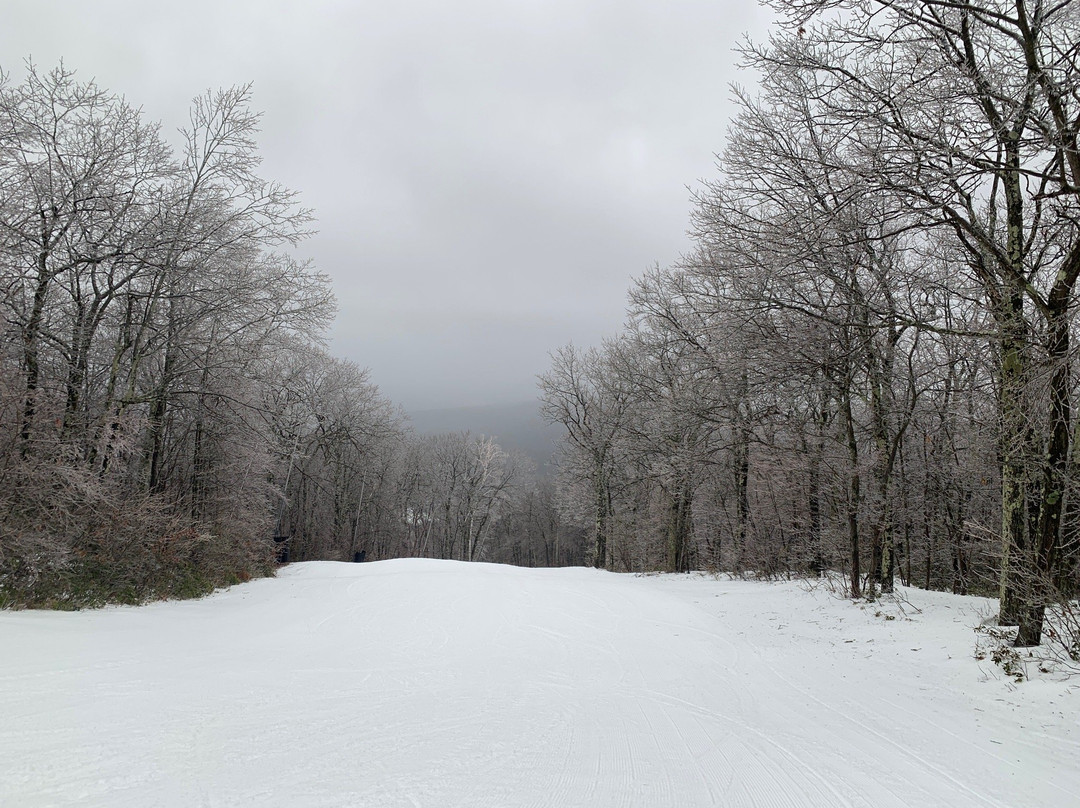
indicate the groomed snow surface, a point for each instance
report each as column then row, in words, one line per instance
column 437, row 684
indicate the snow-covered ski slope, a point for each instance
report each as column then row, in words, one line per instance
column 437, row 684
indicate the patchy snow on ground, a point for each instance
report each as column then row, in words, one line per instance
column 434, row 683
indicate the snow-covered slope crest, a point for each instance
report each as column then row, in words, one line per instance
column 429, row 683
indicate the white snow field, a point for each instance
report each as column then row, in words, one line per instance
column 433, row 683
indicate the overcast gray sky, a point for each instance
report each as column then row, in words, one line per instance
column 488, row 175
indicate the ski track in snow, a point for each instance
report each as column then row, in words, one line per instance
column 428, row 684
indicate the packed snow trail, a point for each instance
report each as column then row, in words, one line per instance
column 437, row 684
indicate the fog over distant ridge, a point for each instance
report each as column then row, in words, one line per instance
column 515, row 427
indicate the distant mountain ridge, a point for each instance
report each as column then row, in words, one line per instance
column 513, row 426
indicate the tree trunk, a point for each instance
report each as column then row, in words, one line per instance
column 603, row 506
column 30, row 352
column 854, row 493
column 742, row 496
column 1014, row 427
column 1046, row 543
column 679, row 528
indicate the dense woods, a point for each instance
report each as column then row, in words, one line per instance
column 866, row 363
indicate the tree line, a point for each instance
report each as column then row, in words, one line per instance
column 167, row 405
column 866, row 362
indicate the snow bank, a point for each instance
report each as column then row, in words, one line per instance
column 429, row 683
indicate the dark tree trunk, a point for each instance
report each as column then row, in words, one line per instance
column 854, row 494
column 1046, row 543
